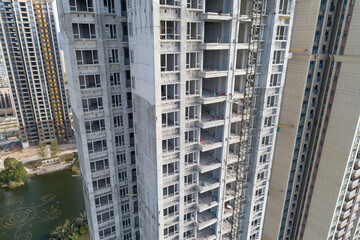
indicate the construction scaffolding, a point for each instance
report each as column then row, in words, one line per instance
column 247, row 111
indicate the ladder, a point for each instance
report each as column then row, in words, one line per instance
column 247, row 109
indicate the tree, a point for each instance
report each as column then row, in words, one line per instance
column 41, row 149
column 10, row 163
column 54, row 148
column 14, row 172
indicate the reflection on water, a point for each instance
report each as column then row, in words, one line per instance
column 31, row 212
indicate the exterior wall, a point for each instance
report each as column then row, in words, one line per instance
column 35, row 75
column 315, row 172
column 93, row 50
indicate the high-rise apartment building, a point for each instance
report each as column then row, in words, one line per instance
column 31, row 53
column 96, row 48
column 314, row 187
column 204, row 94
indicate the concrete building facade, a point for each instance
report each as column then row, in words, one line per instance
column 31, row 54
column 315, row 173
column 204, row 94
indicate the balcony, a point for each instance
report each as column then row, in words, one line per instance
column 349, row 204
column 230, row 176
column 209, row 141
column 351, row 195
column 229, row 194
column 215, row 63
column 226, row 227
column 355, row 174
column 344, row 215
column 209, row 96
column 340, row 233
column 218, row 10
column 357, row 164
column 206, row 234
column 215, row 46
column 207, row 182
column 343, row 223
column 208, row 162
column 211, row 120
column 206, row 219
column 206, row 201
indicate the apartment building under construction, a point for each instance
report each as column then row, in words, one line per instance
column 191, row 89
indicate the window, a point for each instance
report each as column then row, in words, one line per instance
column 170, row 2
column 89, row 81
column 97, row 146
column 260, row 192
column 118, row 121
column 170, row 62
column 170, row 168
column 99, row 165
column 81, row 5
column 194, row 4
column 104, row 217
column 103, row 200
column 275, row 80
column 121, row 158
column 191, row 136
column 170, row 119
column 192, row 112
column 109, row 6
column 123, row 192
column 190, row 198
column 170, row 231
column 264, row 158
column 193, row 31
column 170, row 92
column 272, row 101
column 190, row 179
column 113, row 55
column 281, row 33
column 171, row 211
column 95, row 126
column 171, row 144
column 191, row 158
column 84, row 57
column 266, row 141
column 126, row 222
column 110, row 31
column 278, row 57
column 84, row 31
column 192, row 87
column 269, row 121
column 101, row 183
column 125, row 207
column 115, row 79
column 107, row 232
column 261, row 176
column 189, row 234
column 116, row 100
column 127, row 236
column 193, row 60
column 92, row 104
column 189, row 217
column 122, row 176
column 171, row 191
column 120, row 140
column 169, row 30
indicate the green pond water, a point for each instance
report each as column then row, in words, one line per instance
column 33, row 210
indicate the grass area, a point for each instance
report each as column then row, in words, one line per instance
column 66, row 157
column 33, row 164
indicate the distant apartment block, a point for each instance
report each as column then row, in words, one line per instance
column 316, row 170
column 192, row 91
column 31, row 53
column 6, row 107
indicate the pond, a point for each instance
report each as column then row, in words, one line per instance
column 44, row 202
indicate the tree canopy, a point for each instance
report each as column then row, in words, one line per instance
column 14, row 172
